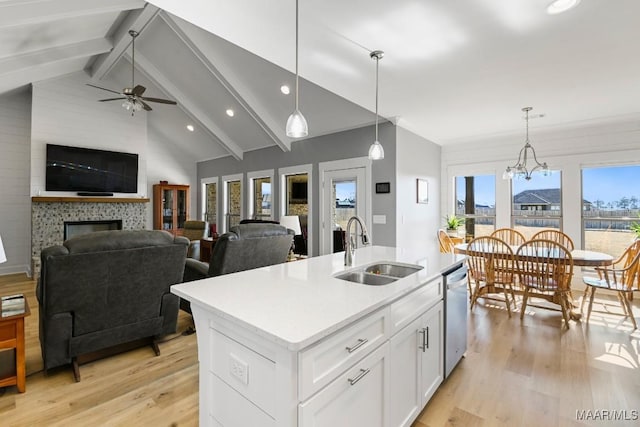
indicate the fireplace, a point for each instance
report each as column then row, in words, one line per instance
column 50, row 217
column 75, row 228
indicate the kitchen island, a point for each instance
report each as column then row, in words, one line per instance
column 292, row 345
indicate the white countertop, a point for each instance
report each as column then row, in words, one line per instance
column 297, row 303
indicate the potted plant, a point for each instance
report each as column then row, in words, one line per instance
column 635, row 227
column 453, row 223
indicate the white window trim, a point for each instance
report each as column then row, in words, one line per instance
column 203, row 195
column 225, row 196
column 259, row 174
column 294, row 170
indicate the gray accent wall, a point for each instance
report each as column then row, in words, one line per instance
column 336, row 146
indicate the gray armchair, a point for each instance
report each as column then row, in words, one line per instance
column 102, row 289
column 244, row 247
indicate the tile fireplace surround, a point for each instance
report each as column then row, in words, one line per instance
column 48, row 215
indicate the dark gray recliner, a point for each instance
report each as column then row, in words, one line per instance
column 107, row 288
column 244, row 247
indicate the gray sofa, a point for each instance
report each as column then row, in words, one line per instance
column 244, row 247
column 107, row 288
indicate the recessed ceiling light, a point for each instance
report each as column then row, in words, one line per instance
column 190, row 128
column 230, row 112
column 285, row 89
column 559, row 6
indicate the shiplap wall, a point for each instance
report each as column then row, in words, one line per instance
column 15, row 204
column 568, row 149
column 65, row 111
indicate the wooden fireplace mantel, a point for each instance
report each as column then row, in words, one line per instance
column 43, row 199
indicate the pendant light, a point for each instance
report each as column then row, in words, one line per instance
column 376, row 152
column 296, row 124
column 520, row 170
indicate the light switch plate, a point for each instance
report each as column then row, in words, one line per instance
column 379, row 219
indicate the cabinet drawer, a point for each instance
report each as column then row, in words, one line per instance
column 320, row 364
column 417, row 302
column 355, row 398
column 230, row 409
column 249, row 373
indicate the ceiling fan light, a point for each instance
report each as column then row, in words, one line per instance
column 297, row 125
column 376, row 151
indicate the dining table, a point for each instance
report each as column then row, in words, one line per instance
column 581, row 258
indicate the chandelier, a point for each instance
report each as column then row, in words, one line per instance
column 520, row 170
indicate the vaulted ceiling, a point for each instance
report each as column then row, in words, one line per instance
column 452, row 70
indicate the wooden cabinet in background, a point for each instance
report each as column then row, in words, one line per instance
column 170, row 207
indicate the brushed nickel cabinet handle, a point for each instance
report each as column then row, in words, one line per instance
column 360, row 343
column 423, row 332
column 362, row 373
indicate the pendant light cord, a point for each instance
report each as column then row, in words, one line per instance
column 296, row 54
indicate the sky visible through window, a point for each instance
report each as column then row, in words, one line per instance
column 607, row 184
column 611, row 184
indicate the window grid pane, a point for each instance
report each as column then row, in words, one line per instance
column 476, row 203
column 536, row 204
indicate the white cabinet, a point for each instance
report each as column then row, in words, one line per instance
column 355, row 398
column 378, row 371
column 415, row 366
column 431, row 356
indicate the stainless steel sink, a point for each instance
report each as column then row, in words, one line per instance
column 381, row 273
column 366, row 278
column 392, row 269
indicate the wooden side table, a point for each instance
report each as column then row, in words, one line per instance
column 12, row 337
column 206, row 247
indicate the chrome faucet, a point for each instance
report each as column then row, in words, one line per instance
column 350, row 243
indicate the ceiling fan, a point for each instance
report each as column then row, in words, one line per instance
column 132, row 96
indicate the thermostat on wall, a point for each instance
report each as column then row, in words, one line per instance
column 383, row 187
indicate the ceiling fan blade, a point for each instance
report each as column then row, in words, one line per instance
column 104, row 88
column 111, row 99
column 161, row 101
column 138, row 90
column 145, row 105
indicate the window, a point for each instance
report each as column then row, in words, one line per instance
column 611, row 204
column 260, row 196
column 232, row 186
column 537, row 203
column 210, row 202
column 476, row 203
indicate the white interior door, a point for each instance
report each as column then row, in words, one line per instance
column 343, row 195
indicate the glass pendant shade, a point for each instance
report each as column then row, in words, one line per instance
column 376, row 151
column 297, row 125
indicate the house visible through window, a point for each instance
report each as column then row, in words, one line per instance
column 537, row 203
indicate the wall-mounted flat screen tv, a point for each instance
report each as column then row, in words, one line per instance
column 90, row 170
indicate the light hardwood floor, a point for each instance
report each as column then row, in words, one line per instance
column 533, row 373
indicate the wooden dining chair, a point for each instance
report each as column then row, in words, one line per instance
column 490, row 261
column 509, row 235
column 446, row 244
column 556, row 236
column 623, row 277
column 545, row 269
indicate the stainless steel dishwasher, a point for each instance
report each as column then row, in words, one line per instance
column 455, row 316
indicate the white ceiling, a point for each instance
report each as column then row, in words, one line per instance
column 453, row 70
